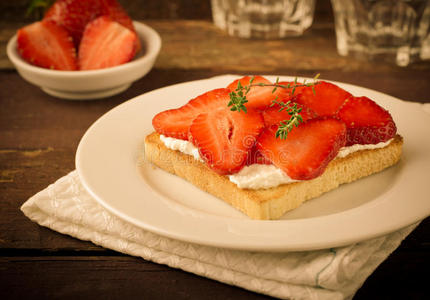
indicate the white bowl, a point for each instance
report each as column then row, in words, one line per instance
column 93, row 84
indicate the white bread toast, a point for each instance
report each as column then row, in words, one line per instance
column 272, row 203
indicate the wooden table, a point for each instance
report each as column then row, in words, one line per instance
column 39, row 135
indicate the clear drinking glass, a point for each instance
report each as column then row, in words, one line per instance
column 264, row 19
column 392, row 30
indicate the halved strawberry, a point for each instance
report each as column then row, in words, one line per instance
column 74, row 15
column 307, row 150
column 224, row 138
column 366, row 121
column 116, row 12
column 106, row 43
column 327, row 98
column 176, row 122
column 255, row 157
column 47, row 45
column 259, row 97
column 272, row 115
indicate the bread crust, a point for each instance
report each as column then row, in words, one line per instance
column 272, row 203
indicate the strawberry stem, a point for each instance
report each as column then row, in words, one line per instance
column 38, row 8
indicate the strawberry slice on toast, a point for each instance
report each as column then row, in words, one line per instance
column 176, row 123
column 274, row 115
column 307, row 150
column 366, row 121
column 106, row 43
column 47, row 45
column 259, row 97
column 224, row 138
column 326, row 100
column 255, row 157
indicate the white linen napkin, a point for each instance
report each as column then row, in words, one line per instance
column 335, row 273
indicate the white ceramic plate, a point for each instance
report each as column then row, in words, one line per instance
column 109, row 162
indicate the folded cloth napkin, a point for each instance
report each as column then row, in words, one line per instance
column 335, row 273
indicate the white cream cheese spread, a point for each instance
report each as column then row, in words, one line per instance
column 182, row 146
column 345, row 151
column 258, row 176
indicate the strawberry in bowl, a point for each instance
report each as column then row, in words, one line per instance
column 92, row 55
column 80, row 35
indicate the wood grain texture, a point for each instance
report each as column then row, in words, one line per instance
column 124, row 277
column 39, row 135
column 143, row 9
column 201, row 45
column 38, row 139
column 109, row 277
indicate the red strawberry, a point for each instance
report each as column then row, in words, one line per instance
column 74, row 15
column 106, row 43
column 116, row 12
column 224, row 138
column 327, row 98
column 176, row 122
column 113, row 9
column 259, row 97
column 47, row 45
column 272, row 115
column 307, row 150
column 366, row 121
column 255, row 157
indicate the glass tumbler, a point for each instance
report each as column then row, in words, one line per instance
column 390, row 30
column 263, row 19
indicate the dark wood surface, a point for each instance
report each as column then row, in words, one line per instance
column 39, row 135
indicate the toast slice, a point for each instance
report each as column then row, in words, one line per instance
column 272, row 203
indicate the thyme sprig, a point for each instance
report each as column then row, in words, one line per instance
column 286, row 126
column 238, row 96
column 238, row 100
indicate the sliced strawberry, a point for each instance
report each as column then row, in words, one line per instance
column 113, row 9
column 327, row 98
column 224, row 138
column 176, row 122
column 116, row 12
column 106, row 43
column 307, row 150
column 366, row 121
column 74, row 15
column 259, row 97
column 272, row 115
column 255, row 157
column 47, row 45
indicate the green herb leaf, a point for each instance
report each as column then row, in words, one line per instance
column 238, row 100
column 37, row 8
